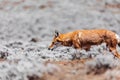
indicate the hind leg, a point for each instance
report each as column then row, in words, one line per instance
column 112, row 48
column 114, row 51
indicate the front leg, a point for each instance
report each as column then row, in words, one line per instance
column 77, row 44
column 77, row 47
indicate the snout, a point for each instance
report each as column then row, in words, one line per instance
column 53, row 46
column 50, row 49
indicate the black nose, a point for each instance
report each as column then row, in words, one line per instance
column 50, row 49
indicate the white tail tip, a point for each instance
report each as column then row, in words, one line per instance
column 118, row 38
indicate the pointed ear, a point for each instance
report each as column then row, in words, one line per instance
column 56, row 33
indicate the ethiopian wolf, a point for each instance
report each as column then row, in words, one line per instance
column 84, row 39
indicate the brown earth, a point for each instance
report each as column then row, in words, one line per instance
column 71, row 70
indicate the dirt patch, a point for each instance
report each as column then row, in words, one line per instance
column 72, row 70
column 107, row 5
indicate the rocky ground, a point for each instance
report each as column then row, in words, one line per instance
column 27, row 28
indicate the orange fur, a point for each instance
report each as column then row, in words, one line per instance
column 84, row 39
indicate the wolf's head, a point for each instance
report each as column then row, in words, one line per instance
column 60, row 39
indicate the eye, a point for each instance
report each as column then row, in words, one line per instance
column 52, row 42
column 59, row 41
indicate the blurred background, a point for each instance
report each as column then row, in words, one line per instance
column 27, row 28
column 24, row 19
